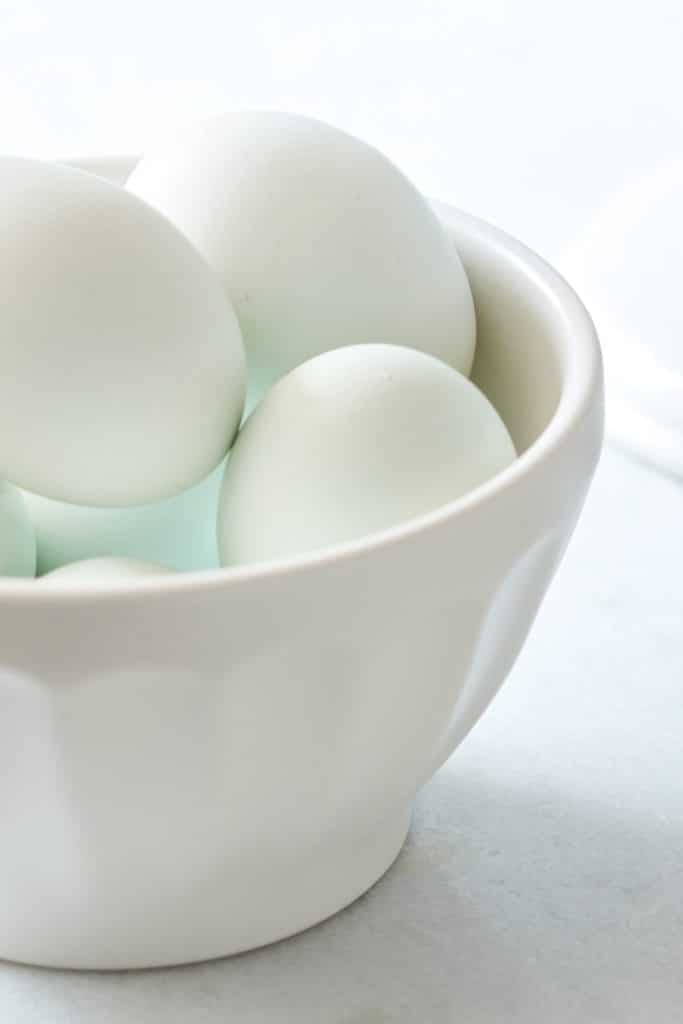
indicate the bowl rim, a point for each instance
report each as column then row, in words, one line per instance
column 581, row 367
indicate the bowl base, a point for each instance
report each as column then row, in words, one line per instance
column 262, row 904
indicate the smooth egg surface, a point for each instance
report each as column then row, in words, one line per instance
column 320, row 240
column 122, row 375
column 352, row 442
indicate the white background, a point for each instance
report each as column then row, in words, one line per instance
column 543, row 880
column 529, row 112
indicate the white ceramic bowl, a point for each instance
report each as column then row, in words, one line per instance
column 196, row 765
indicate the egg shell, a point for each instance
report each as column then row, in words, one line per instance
column 122, row 375
column 179, row 532
column 17, row 536
column 319, row 239
column 103, row 570
column 349, row 443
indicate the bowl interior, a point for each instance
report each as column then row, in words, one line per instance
column 515, row 368
column 516, row 363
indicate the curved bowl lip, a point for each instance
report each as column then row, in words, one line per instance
column 581, row 387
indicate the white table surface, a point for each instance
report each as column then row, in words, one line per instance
column 543, row 877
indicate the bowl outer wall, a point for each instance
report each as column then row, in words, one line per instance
column 192, row 768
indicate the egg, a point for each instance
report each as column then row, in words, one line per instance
column 320, row 241
column 179, row 532
column 104, row 570
column 17, row 536
column 122, row 374
column 351, row 442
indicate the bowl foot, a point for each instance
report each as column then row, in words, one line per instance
column 244, row 905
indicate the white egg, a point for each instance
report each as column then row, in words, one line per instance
column 351, row 442
column 320, row 240
column 122, row 375
column 17, row 536
column 104, row 570
column 179, row 532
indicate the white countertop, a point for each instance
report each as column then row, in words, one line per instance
column 543, row 877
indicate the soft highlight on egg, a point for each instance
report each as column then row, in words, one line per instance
column 320, row 241
column 350, row 443
column 122, row 375
column 105, row 570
